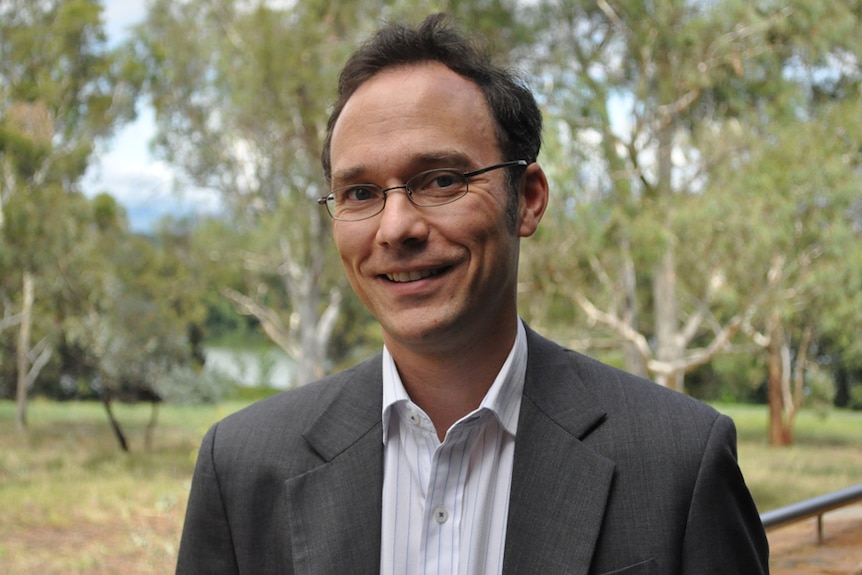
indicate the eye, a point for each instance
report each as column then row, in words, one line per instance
column 357, row 194
column 438, row 182
column 444, row 180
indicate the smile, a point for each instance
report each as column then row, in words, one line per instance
column 401, row 277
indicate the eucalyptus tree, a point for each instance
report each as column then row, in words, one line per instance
column 131, row 319
column 646, row 104
column 238, row 91
column 61, row 89
column 804, row 178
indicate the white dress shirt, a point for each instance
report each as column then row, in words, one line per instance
column 445, row 505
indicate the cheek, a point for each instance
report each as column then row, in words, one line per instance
column 348, row 241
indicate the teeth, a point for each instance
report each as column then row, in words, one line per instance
column 411, row 276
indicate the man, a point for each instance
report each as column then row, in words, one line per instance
column 471, row 445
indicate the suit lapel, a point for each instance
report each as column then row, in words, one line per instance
column 334, row 509
column 559, row 486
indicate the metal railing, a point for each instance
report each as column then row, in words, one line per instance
column 814, row 507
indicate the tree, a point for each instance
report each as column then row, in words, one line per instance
column 646, row 104
column 239, row 108
column 814, row 169
column 133, row 312
column 60, row 90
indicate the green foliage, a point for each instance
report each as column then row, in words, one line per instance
column 184, row 385
column 61, row 89
column 28, row 154
column 730, row 378
column 705, row 162
column 108, row 215
column 137, row 329
column 247, row 394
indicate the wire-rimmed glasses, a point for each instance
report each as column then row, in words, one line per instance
column 426, row 189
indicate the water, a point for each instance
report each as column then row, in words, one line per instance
column 258, row 368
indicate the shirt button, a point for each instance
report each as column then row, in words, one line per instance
column 441, row 515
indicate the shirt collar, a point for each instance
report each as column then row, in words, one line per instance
column 503, row 398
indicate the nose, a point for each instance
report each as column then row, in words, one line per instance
column 401, row 222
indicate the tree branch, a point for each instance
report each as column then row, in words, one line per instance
column 10, row 321
column 613, row 322
column 42, row 353
column 268, row 318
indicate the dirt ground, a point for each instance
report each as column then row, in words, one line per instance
column 145, row 544
column 794, row 549
column 138, row 544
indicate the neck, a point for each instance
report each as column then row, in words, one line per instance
column 450, row 384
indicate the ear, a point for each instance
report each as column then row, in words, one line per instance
column 534, row 200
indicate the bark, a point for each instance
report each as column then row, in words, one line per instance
column 151, row 425
column 669, row 345
column 798, row 392
column 115, row 425
column 23, row 352
column 668, row 350
column 779, row 434
column 634, row 361
column 786, row 382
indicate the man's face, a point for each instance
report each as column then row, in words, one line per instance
column 436, row 278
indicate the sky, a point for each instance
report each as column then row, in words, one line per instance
column 125, row 167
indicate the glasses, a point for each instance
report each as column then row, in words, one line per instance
column 426, row 189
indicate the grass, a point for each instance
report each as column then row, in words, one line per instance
column 73, row 503
column 826, row 455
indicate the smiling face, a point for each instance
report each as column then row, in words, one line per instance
column 442, row 279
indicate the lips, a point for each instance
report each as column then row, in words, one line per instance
column 411, row 276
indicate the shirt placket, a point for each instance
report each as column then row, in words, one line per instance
column 444, row 502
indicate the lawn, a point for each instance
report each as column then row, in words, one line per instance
column 826, row 455
column 73, row 503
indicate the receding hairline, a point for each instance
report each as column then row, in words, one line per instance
column 472, row 90
column 507, row 95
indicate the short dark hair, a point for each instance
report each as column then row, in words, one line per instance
column 515, row 111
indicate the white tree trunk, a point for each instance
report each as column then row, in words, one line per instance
column 23, row 352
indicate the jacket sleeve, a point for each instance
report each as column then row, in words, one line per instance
column 206, row 546
column 724, row 534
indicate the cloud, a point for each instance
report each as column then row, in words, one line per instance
column 119, row 15
column 124, row 166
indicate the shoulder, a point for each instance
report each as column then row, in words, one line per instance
column 627, row 401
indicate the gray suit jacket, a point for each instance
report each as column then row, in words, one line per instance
column 612, row 474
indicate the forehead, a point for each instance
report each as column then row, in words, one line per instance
column 405, row 115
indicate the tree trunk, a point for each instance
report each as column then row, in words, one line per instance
column 779, row 433
column 151, row 426
column 115, row 425
column 23, row 352
column 668, row 349
column 634, row 360
column 669, row 345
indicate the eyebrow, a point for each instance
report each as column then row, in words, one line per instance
column 347, row 175
column 430, row 160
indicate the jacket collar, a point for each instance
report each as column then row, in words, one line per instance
column 334, row 509
column 559, row 486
